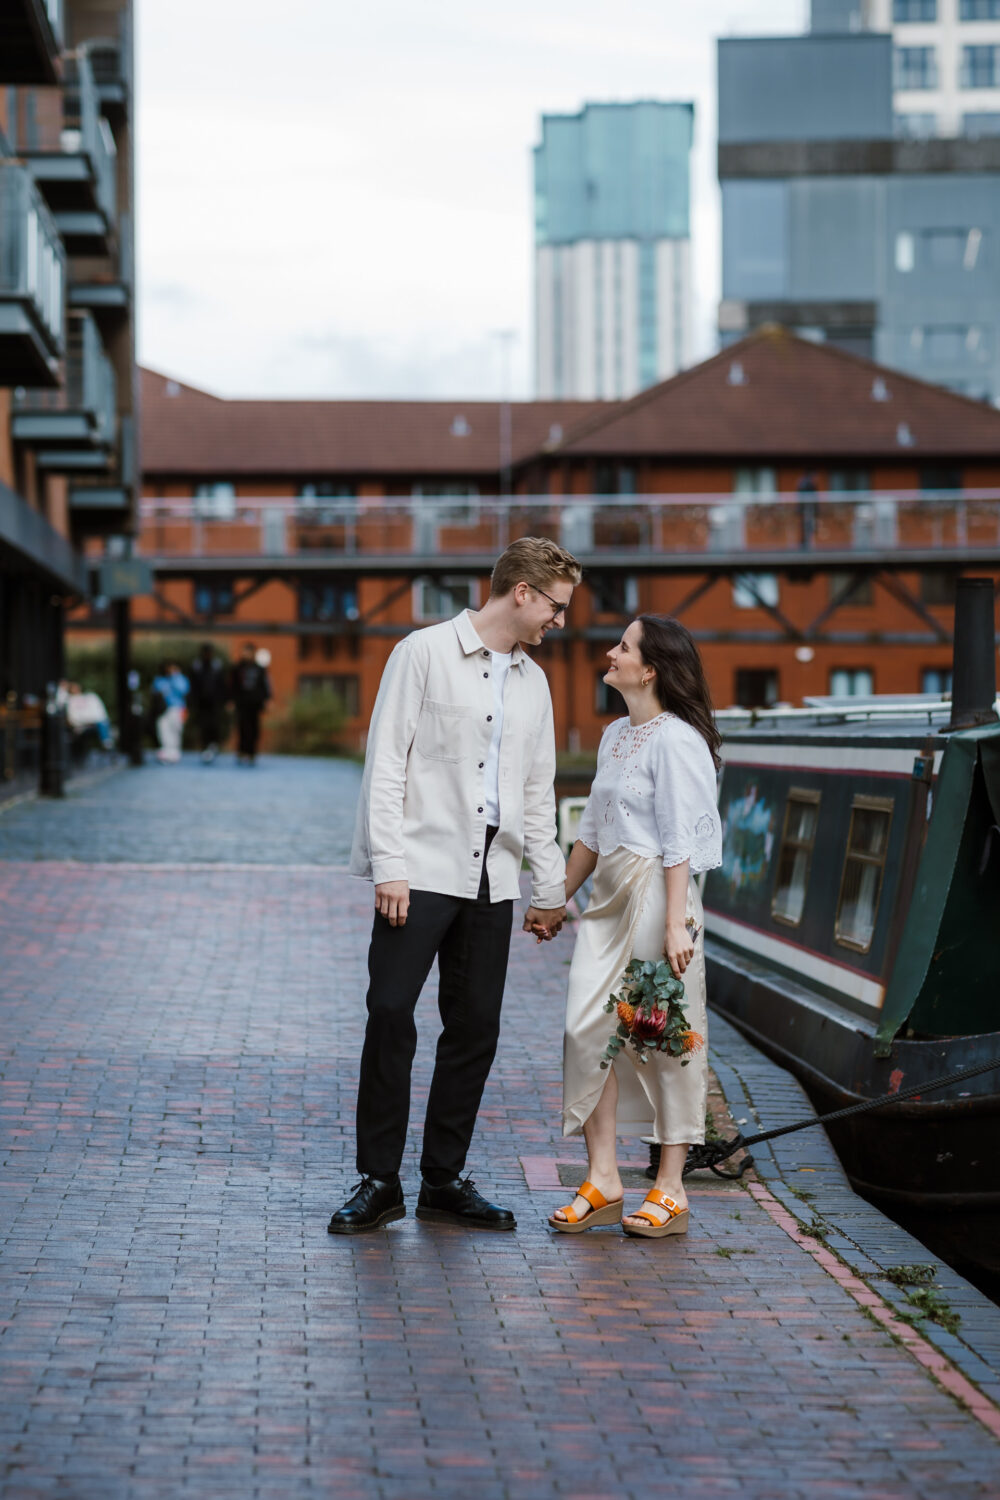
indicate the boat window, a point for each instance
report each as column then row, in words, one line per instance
column 861, row 882
column 795, row 856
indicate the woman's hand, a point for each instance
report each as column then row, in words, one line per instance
column 678, row 947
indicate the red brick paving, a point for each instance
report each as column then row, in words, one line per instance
column 179, row 1056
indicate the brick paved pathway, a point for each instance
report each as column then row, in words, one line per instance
column 177, row 1070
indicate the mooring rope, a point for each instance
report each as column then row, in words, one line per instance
column 713, row 1152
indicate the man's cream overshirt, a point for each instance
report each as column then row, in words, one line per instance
column 421, row 812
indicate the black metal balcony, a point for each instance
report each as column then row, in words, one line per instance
column 30, row 41
column 111, row 61
column 105, row 289
column 104, row 504
column 32, row 277
column 76, row 170
column 73, row 429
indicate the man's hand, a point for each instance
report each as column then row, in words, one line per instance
column 544, row 922
column 392, row 900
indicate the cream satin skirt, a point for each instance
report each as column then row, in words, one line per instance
column 625, row 919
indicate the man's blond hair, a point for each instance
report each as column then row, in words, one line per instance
column 534, row 560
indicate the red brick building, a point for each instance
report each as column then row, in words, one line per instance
column 804, row 511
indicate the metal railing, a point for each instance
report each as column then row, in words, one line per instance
column 90, row 387
column 833, row 525
column 32, row 258
column 87, row 133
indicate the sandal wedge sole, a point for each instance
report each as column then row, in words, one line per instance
column 677, row 1225
column 611, row 1213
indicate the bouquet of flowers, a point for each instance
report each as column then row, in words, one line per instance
column 651, row 1014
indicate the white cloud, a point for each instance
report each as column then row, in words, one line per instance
column 336, row 199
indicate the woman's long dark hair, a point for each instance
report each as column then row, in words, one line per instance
column 681, row 685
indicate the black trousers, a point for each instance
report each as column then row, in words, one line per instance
column 471, row 940
column 248, row 729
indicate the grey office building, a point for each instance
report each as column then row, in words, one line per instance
column 888, row 247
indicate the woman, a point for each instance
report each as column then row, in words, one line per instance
column 650, row 824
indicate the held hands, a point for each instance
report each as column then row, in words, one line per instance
column 392, row 900
column 544, row 922
column 678, row 947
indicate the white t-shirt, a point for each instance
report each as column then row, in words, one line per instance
column 491, row 771
column 655, row 793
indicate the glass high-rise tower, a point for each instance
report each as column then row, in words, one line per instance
column 612, row 249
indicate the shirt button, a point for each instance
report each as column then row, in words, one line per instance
column 489, row 718
column 476, row 855
column 486, row 674
column 478, row 809
column 486, row 653
column 481, row 764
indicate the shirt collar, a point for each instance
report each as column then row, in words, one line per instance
column 469, row 639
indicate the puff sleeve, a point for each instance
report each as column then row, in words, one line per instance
column 686, row 798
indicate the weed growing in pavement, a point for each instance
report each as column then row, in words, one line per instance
column 802, row 1193
column 721, row 1250
column 817, row 1230
column 930, row 1304
column 910, row 1275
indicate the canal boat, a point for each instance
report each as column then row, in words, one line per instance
column 853, row 928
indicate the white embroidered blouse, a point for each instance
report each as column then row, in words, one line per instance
column 655, row 793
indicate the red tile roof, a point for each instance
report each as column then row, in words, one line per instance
column 774, row 394
column 771, row 395
column 186, row 431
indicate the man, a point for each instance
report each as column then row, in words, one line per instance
column 458, row 784
column 208, row 695
column 249, row 691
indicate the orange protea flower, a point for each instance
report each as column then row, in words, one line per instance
column 626, row 1013
column 692, row 1040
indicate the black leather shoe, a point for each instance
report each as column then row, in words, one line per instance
column 372, row 1204
column 457, row 1202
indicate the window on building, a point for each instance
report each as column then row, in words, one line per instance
column 608, row 701
column 755, row 687
column 441, row 598
column 864, row 862
column 938, row 588
column 945, row 344
column 851, row 682
column 906, row 257
column 615, row 479
column 755, row 590
column 980, row 67
column 862, row 589
column 979, row 10
column 936, row 680
column 914, row 68
column 795, row 855
column 326, row 489
column 614, row 595
column 345, row 687
column 755, row 481
column 215, row 500
column 915, row 125
column 981, row 122
column 213, row 596
column 849, row 481
column 913, row 10
column 325, row 601
column 938, row 478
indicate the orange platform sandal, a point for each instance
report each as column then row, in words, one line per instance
column 601, row 1212
column 677, row 1223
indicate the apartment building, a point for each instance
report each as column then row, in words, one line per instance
column 68, row 462
column 804, row 511
column 612, row 249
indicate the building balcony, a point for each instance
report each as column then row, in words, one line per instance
column 30, row 41
column 103, row 503
column 635, row 533
column 105, row 288
column 73, row 429
column 73, row 162
column 111, row 61
column 32, row 277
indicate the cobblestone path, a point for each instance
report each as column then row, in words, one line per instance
column 177, row 1071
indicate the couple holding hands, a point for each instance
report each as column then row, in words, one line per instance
column 457, row 787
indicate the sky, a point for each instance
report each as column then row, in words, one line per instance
column 335, row 199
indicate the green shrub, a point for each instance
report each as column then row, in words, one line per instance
column 93, row 667
column 312, row 724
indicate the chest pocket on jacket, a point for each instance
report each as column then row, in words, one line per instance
column 442, row 730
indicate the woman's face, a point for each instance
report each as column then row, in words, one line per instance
column 627, row 667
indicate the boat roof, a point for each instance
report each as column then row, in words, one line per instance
column 889, row 719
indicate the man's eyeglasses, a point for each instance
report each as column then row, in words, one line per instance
column 557, row 608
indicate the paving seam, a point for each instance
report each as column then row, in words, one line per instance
column 763, row 1094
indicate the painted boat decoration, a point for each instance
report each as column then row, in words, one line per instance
column 853, row 929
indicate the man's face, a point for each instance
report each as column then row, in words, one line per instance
column 542, row 610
